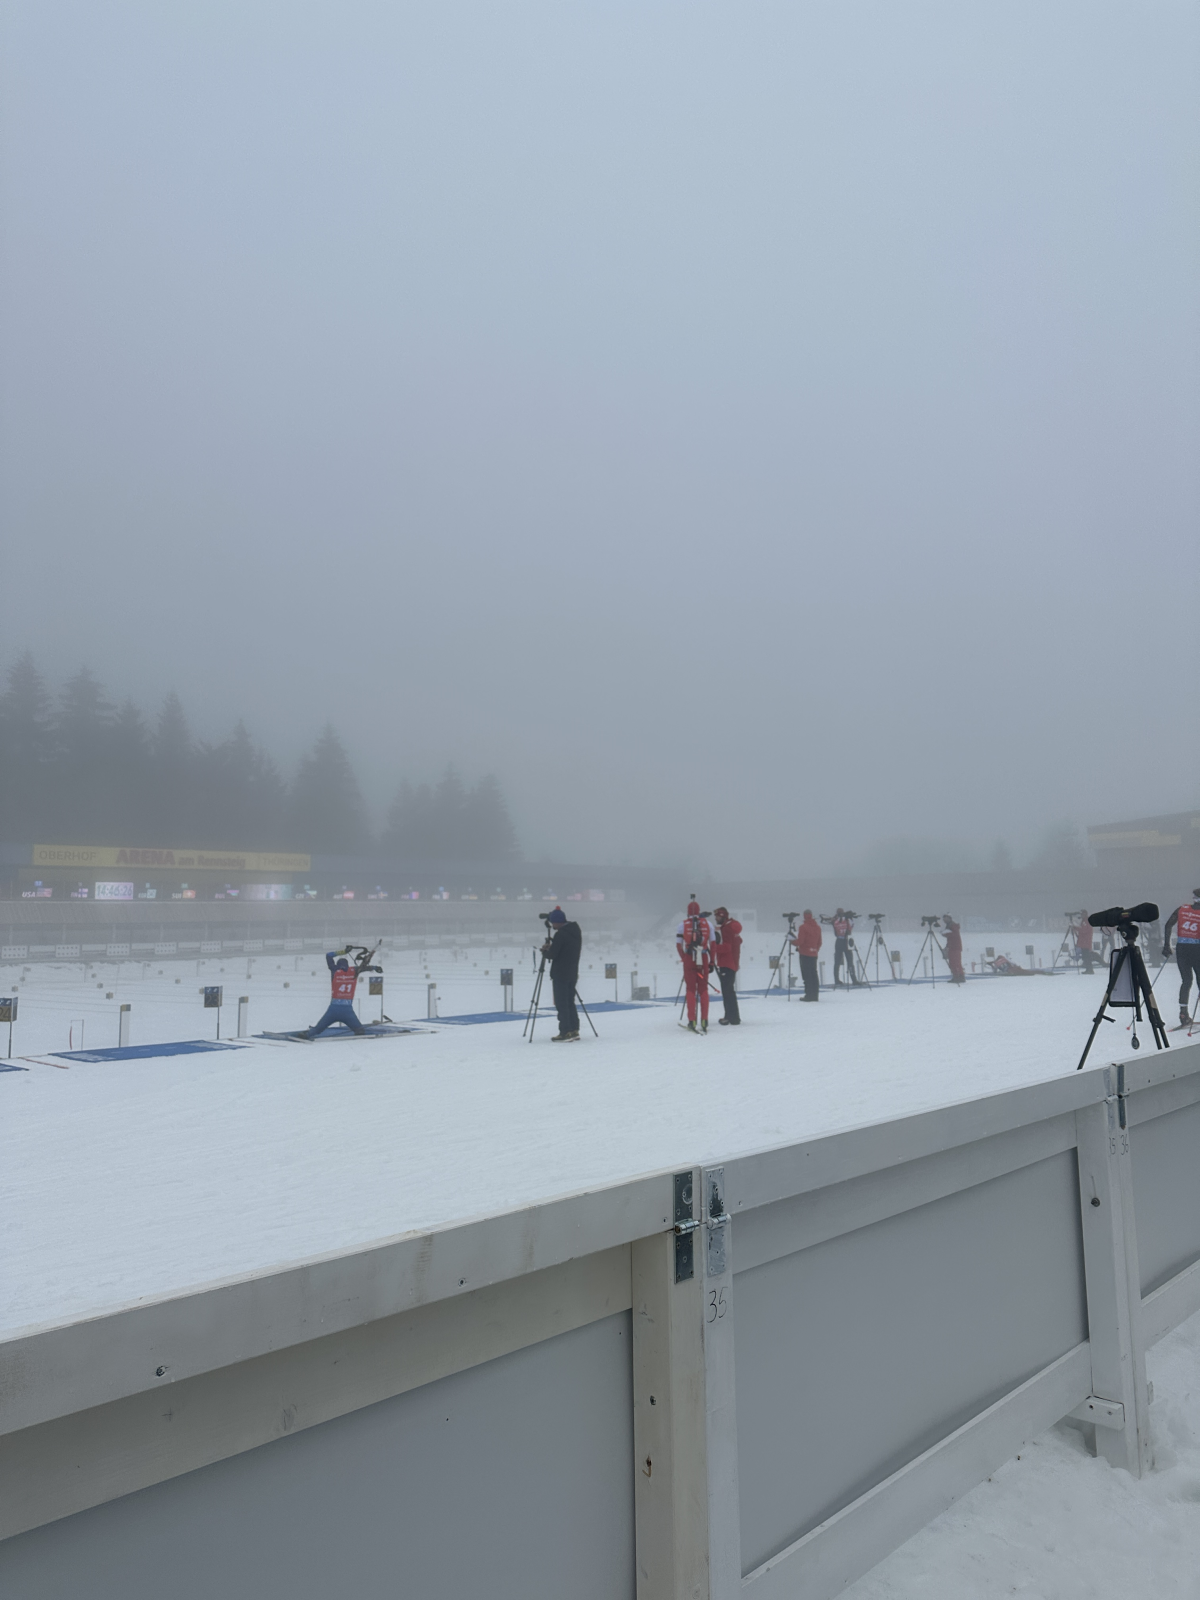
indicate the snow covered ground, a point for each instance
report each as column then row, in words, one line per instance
column 1060, row 1524
column 129, row 1179
column 123, row 1180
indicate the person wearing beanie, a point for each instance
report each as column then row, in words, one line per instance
column 563, row 944
column 1186, row 922
column 726, row 953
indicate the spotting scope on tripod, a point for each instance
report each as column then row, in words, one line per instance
column 931, row 942
column 788, row 945
column 879, row 944
column 1128, row 983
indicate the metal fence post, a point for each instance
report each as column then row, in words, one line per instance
column 1114, row 1297
column 684, row 1421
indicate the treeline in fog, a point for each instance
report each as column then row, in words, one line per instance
column 76, row 769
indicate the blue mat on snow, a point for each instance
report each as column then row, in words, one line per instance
column 141, row 1052
column 8, row 1066
column 598, row 1009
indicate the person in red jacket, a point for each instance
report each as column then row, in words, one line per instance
column 954, row 948
column 808, row 947
column 726, row 954
column 693, row 940
column 1084, row 936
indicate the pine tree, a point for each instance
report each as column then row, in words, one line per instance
column 450, row 822
column 328, row 814
column 488, row 834
column 130, row 820
column 172, row 809
column 84, row 771
column 241, row 801
column 26, row 754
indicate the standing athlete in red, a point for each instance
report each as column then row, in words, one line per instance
column 954, row 948
column 693, row 939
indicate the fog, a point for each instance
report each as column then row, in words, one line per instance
column 752, row 432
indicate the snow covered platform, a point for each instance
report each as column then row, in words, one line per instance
column 148, row 1052
column 453, row 1267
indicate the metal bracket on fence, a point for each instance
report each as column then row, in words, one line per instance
column 685, row 1226
column 1104, row 1413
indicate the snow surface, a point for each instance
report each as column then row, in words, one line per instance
column 1060, row 1524
column 139, row 1178
column 133, row 1179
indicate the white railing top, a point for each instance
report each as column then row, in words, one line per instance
column 56, row 1369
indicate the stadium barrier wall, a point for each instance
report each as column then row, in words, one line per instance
column 544, row 1401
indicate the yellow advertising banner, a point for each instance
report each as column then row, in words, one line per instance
column 83, row 856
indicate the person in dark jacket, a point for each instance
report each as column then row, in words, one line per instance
column 563, row 946
column 1186, row 921
column 808, row 947
column 726, row 954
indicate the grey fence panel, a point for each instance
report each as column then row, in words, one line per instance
column 856, row 1354
column 1165, row 1153
column 511, row 1479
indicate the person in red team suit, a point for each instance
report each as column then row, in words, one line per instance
column 954, row 948
column 726, row 953
column 693, row 940
column 1084, row 936
column 808, row 947
column 343, row 980
column 1186, row 922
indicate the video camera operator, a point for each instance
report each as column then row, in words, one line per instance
column 564, row 942
column 1186, row 920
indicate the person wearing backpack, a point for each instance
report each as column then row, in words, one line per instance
column 693, row 940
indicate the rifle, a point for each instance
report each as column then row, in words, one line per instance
column 362, row 962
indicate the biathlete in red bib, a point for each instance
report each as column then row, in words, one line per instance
column 343, row 981
column 1186, row 922
column 693, row 939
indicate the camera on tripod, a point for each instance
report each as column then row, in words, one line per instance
column 931, row 922
column 877, row 916
column 791, row 916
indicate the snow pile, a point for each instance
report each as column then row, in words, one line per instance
column 1060, row 1524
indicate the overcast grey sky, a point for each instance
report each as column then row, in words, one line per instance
column 751, row 430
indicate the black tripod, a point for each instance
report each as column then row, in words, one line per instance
column 879, row 944
column 1068, row 950
column 531, row 1018
column 1128, row 985
column 788, row 945
column 929, row 923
